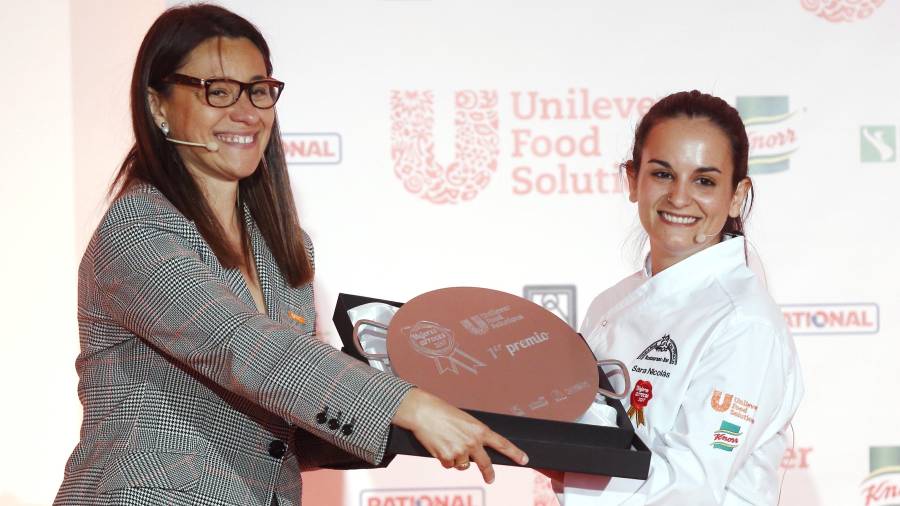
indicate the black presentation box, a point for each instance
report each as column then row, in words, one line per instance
column 559, row 446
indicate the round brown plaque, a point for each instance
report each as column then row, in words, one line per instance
column 492, row 351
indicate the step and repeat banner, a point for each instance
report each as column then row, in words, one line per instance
column 436, row 143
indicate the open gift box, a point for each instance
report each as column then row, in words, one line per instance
column 561, row 446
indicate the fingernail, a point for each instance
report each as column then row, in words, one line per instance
column 524, row 459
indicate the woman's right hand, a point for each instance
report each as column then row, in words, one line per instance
column 451, row 435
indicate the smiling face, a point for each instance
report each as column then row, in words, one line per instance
column 684, row 188
column 241, row 130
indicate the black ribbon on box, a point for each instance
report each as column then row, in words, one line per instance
column 560, row 446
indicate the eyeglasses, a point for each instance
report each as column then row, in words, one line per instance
column 225, row 92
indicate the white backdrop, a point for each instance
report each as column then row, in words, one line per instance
column 816, row 83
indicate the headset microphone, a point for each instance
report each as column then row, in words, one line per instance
column 210, row 146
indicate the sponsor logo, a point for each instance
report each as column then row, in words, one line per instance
column 882, row 486
column 481, row 323
column 312, row 148
column 728, row 437
column 772, row 129
column 662, row 350
column 842, row 11
column 412, row 145
column 796, row 458
column 450, row 496
column 432, row 340
column 878, row 143
column 831, row 319
column 558, row 299
column 556, row 142
column 737, row 407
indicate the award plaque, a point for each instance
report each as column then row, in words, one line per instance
column 492, row 351
column 507, row 362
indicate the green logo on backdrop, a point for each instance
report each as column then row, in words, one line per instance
column 878, row 143
column 773, row 131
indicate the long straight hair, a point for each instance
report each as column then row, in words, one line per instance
column 153, row 160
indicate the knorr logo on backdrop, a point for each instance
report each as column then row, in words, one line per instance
column 772, row 129
column 882, row 486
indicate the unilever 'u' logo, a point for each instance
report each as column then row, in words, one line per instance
column 838, row 11
column 476, row 145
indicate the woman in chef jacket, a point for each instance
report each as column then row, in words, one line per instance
column 714, row 372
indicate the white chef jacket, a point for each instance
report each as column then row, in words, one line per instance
column 723, row 375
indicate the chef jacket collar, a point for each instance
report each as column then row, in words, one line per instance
column 701, row 266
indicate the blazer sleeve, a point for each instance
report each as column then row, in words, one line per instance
column 151, row 279
column 745, row 391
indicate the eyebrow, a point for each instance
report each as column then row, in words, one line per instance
column 252, row 79
column 699, row 169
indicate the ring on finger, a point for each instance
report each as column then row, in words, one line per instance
column 462, row 466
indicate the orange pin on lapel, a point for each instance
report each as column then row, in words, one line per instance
column 297, row 318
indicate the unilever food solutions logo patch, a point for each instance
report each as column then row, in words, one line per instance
column 878, row 143
column 842, row 11
column 772, row 129
column 882, row 486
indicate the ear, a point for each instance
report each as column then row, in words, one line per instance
column 740, row 195
column 157, row 108
column 631, row 174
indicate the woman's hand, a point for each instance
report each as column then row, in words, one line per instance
column 451, row 435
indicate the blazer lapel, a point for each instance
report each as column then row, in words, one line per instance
column 265, row 266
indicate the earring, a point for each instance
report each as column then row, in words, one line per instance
column 165, row 128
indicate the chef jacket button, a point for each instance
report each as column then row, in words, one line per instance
column 603, row 323
column 277, row 448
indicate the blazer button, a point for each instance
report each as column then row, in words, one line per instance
column 347, row 429
column 277, row 448
column 333, row 424
column 322, row 417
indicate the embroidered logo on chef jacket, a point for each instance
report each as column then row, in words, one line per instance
column 662, row 350
column 728, row 437
column 640, row 397
column 737, row 407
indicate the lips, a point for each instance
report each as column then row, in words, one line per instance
column 677, row 219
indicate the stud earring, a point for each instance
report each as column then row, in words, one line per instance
column 165, row 128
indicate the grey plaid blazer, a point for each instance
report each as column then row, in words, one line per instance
column 190, row 395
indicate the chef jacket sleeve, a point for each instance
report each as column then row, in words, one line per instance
column 745, row 390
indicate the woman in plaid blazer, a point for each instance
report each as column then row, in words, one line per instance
column 195, row 305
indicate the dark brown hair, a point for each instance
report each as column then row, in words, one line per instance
column 693, row 104
column 267, row 192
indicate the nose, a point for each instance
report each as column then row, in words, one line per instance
column 243, row 111
column 679, row 195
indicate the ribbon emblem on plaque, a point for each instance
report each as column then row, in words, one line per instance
column 640, row 396
column 435, row 341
